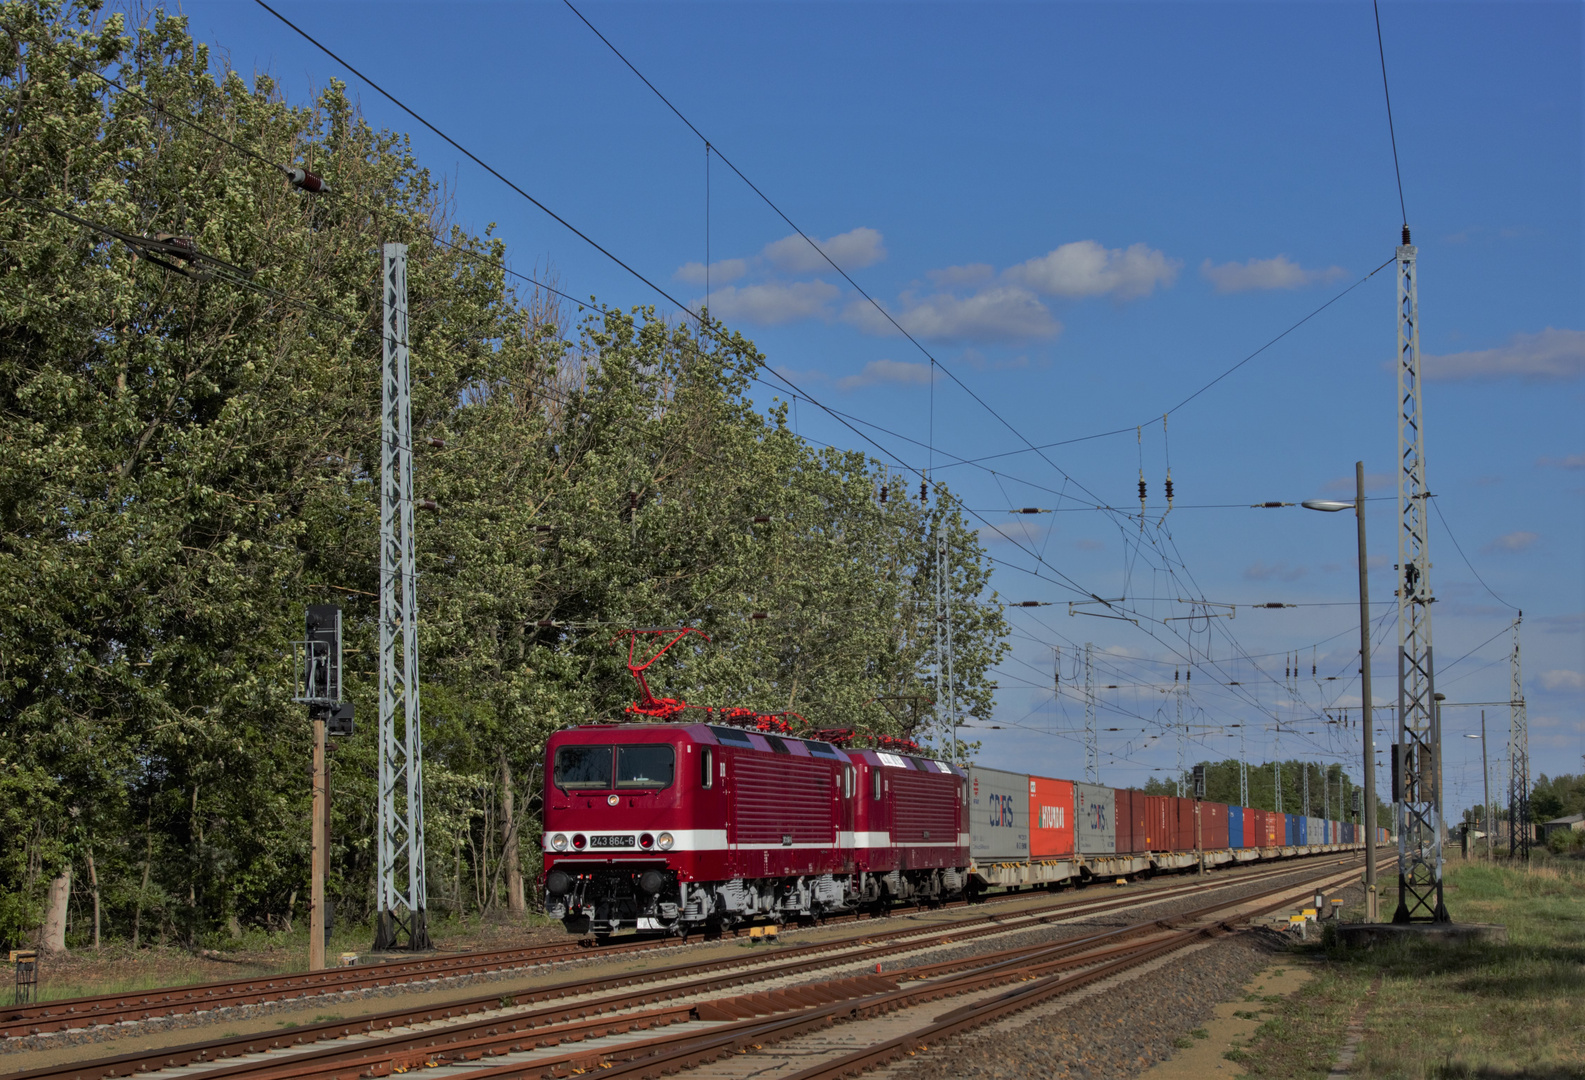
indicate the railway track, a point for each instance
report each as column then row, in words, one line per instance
column 529, row 1025
column 108, row 1009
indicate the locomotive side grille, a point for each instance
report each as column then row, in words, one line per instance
column 926, row 811
column 774, row 798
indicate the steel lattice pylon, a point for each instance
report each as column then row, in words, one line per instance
column 1419, row 746
column 1183, row 743
column 1243, row 770
column 400, row 893
column 1518, row 760
column 945, row 690
column 1092, row 752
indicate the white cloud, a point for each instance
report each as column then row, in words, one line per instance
column 1281, row 571
column 1514, row 541
column 773, row 303
column 852, row 250
column 1276, row 273
column 812, row 375
column 1573, row 461
column 900, row 372
column 1085, row 268
column 1563, row 680
column 1571, row 623
column 1548, row 355
column 997, row 313
column 722, row 270
column 969, row 274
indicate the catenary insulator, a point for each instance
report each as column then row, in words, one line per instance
column 1141, row 491
column 437, row 443
column 303, row 180
column 922, row 491
column 762, row 519
column 1169, row 487
column 884, row 489
column 429, row 504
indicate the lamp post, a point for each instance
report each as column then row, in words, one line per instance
column 1485, row 777
column 1372, row 909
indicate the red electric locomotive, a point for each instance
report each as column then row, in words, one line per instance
column 672, row 827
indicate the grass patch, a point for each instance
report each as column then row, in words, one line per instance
column 1446, row 1013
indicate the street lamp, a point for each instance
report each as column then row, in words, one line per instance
column 1485, row 776
column 1372, row 909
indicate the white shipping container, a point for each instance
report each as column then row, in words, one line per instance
column 998, row 815
column 1094, row 819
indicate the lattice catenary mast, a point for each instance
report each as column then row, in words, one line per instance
column 945, row 690
column 1518, row 759
column 1418, row 751
column 400, row 893
column 1183, row 741
column 1092, row 752
column 1243, row 770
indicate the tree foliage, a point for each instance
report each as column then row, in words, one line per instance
column 190, row 459
column 1557, row 796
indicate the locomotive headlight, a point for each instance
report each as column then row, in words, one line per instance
column 664, row 841
column 579, row 841
column 559, row 841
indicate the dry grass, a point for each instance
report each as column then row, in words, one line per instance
column 119, row 969
column 1449, row 1013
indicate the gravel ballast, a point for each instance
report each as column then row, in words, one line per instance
column 1116, row 1029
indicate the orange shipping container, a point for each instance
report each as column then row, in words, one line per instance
column 1050, row 817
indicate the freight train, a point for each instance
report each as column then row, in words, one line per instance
column 674, row 827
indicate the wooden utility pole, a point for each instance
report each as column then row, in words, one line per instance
column 318, row 685
column 321, row 853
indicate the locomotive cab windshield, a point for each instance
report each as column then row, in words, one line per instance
column 645, row 767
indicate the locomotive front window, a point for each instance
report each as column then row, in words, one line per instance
column 583, row 767
column 648, row 766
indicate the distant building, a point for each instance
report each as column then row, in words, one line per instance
column 1572, row 821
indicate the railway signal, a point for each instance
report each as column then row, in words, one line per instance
column 318, row 685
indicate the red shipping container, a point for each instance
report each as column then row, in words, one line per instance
column 1130, row 818
column 1183, row 826
column 1156, row 836
column 1050, row 817
column 1213, row 825
column 1141, row 822
column 1123, row 819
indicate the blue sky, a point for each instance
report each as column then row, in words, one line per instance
column 1085, row 213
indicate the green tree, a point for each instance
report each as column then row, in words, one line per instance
column 190, row 457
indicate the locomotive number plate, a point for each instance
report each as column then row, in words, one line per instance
column 611, row 841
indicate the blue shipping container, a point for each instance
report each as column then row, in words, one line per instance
column 1235, row 826
column 1291, row 829
column 1304, row 830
